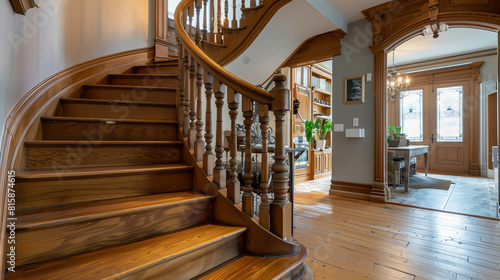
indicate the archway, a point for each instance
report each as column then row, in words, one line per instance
column 396, row 22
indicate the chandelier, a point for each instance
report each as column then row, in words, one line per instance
column 397, row 83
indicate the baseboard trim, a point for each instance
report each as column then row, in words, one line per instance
column 351, row 190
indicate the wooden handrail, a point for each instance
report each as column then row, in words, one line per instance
column 224, row 76
column 242, row 98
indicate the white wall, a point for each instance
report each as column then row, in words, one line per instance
column 63, row 33
column 353, row 157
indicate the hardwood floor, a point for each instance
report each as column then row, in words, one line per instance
column 350, row 239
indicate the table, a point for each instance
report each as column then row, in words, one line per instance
column 408, row 152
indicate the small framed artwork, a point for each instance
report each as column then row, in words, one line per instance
column 354, row 90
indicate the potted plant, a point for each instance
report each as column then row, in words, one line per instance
column 321, row 127
column 393, row 136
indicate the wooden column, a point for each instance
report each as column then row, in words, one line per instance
column 187, row 93
column 281, row 208
column 233, row 185
column 199, row 145
column 264, row 173
column 248, row 199
column 380, row 190
column 208, row 156
column 192, row 104
column 219, row 170
column 161, row 30
column 498, row 111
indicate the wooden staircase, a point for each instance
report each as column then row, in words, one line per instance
column 106, row 193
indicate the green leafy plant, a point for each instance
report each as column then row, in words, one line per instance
column 320, row 126
column 394, row 132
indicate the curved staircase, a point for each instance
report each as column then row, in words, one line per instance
column 107, row 193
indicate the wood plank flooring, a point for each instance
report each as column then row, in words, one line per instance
column 350, row 239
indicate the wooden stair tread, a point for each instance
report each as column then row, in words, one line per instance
column 133, row 75
column 99, row 143
column 128, row 87
column 84, row 119
column 89, row 211
column 36, row 174
column 120, row 260
column 121, row 102
column 256, row 267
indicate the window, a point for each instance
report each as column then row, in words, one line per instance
column 449, row 114
column 411, row 115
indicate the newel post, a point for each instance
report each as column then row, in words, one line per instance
column 281, row 208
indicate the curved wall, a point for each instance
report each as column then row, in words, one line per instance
column 63, row 33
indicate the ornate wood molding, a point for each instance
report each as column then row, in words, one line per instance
column 395, row 22
column 22, row 6
column 316, row 49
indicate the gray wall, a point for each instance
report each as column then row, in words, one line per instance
column 353, row 157
column 63, row 33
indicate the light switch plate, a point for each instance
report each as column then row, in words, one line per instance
column 338, row 127
column 355, row 122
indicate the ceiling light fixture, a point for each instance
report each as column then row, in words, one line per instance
column 397, row 83
column 434, row 28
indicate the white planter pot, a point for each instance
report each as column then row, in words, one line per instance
column 320, row 144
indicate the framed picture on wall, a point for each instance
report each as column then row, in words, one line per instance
column 354, row 90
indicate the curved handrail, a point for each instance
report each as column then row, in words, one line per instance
column 227, row 78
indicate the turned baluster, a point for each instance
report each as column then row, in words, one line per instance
column 205, row 29
column 219, row 170
column 197, row 36
column 281, row 208
column 242, row 19
column 248, row 199
column 190, row 15
column 180, row 86
column 199, row 145
column 192, row 104
column 264, row 173
column 233, row 185
column 208, row 156
column 212, row 22
column 226, row 13
column 252, row 3
column 218, row 37
column 234, row 22
column 187, row 93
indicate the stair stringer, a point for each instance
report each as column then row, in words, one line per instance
column 259, row 241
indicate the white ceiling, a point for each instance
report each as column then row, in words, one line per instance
column 455, row 41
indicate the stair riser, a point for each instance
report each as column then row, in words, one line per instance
column 194, row 263
column 166, row 96
column 146, row 81
column 119, row 111
column 88, row 154
column 166, row 69
column 107, row 131
column 34, row 193
column 62, row 241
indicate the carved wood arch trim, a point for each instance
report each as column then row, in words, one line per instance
column 395, row 22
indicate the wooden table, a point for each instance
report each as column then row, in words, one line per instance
column 408, row 152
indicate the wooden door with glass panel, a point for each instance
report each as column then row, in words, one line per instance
column 435, row 116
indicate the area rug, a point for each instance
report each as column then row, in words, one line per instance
column 424, row 182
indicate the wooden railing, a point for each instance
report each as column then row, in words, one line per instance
column 199, row 72
column 225, row 28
